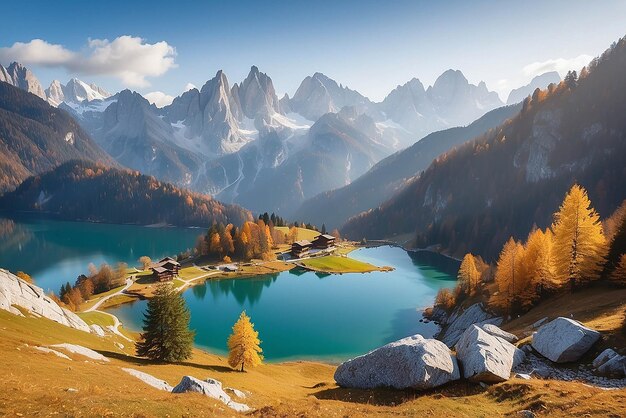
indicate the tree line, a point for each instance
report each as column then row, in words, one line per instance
column 575, row 251
column 98, row 280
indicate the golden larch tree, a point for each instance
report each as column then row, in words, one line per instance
column 508, row 274
column 579, row 245
column 538, row 264
column 244, row 345
column 468, row 275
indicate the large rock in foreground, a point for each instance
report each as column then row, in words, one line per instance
column 485, row 357
column 211, row 388
column 564, row 340
column 15, row 291
column 412, row 362
column 460, row 321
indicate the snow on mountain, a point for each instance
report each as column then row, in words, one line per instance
column 75, row 91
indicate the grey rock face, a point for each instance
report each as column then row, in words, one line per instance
column 149, row 379
column 540, row 81
column 211, row 388
column 412, row 362
column 462, row 320
column 15, row 291
column 484, row 357
column 564, row 340
column 610, row 364
column 19, row 76
column 497, row 332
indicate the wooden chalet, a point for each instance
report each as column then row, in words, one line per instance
column 300, row 248
column 166, row 269
column 323, row 241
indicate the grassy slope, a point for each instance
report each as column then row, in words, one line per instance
column 36, row 383
column 303, row 233
column 336, row 264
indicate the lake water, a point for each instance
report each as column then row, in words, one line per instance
column 54, row 252
column 304, row 315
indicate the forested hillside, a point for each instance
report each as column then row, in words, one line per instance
column 502, row 183
column 391, row 174
column 79, row 190
column 36, row 137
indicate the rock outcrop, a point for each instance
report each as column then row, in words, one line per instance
column 412, row 362
column 610, row 364
column 497, row 332
column 149, row 379
column 563, row 340
column 211, row 388
column 82, row 351
column 459, row 321
column 485, row 357
column 16, row 292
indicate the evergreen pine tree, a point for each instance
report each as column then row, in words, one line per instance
column 244, row 344
column 323, row 229
column 579, row 243
column 166, row 335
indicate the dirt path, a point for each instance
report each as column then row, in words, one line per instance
column 129, row 283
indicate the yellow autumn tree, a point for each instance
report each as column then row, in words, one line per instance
column 468, row 275
column 244, row 345
column 538, row 264
column 508, row 275
column 579, row 244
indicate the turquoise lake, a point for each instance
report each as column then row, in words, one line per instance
column 304, row 315
column 54, row 252
column 299, row 315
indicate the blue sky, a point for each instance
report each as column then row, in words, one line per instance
column 371, row 46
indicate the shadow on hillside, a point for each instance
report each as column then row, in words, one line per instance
column 140, row 361
column 392, row 397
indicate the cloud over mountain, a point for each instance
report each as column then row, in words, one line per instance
column 130, row 59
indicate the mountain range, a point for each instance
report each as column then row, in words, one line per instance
column 514, row 176
column 36, row 137
column 244, row 145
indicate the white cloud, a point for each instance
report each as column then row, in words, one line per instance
column 189, row 86
column 130, row 59
column 158, row 98
column 561, row 65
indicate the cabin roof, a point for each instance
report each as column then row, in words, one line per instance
column 168, row 259
column 160, row 269
column 303, row 243
column 325, row 236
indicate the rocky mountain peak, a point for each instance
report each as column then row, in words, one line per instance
column 19, row 76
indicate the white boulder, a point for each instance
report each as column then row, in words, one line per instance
column 211, row 388
column 497, row 332
column 149, row 379
column 80, row 350
column 15, row 291
column 412, row 362
column 486, row 358
column 460, row 321
column 51, row 351
column 97, row 329
column 564, row 340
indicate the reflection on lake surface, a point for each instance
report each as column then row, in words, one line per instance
column 54, row 252
column 308, row 315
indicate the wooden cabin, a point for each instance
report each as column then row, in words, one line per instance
column 300, row 248
column 323, row 241
column 166, row 269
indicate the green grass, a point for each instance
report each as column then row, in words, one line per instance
column 95, row 298
column 191, row 272
column 335, row 264
column 97, row 318
column 303, row 233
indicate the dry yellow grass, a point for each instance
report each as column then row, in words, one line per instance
column 36, row 384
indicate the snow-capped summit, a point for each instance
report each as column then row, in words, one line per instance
column 75, row 91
